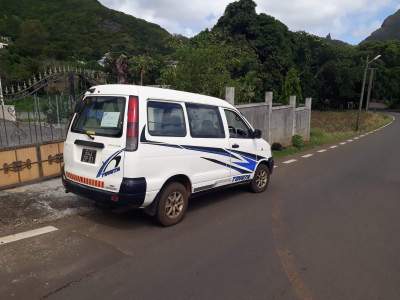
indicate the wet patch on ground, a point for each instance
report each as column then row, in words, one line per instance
column 38, row 203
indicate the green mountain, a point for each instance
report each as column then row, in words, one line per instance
column 259, row 53
column 78, row 29
column 390, row 29
column 250, row 51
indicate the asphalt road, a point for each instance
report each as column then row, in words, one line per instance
column 328, row 228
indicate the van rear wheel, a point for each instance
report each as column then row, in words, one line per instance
column 172, row 204
column 261, row 179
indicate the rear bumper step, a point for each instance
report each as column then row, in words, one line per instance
column 132, row 192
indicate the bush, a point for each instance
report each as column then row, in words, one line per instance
column 276, row 147
column 297, row 141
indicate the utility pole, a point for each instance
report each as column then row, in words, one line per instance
column 1, row 95
column 363, row 90
column 371, row 81
column 362, row 96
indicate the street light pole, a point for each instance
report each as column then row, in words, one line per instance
column 371, row 80
column 362, row 95
column 363, row 90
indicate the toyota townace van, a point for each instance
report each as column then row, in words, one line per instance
column 154, row 148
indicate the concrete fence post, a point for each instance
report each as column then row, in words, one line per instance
column 308, row 106
column 269, row 96
column 230, row 95
column 293, row 113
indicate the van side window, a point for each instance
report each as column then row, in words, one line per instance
column 205, row 121
column 237, row 127
column 165, row 119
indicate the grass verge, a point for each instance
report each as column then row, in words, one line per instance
column 331, row 127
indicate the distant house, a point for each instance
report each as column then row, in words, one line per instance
column 3, row 45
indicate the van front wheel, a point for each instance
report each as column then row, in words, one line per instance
column 172, row 204
column 261, row 179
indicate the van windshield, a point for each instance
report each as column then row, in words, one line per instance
column 102, row 116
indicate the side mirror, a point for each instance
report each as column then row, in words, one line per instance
column 257, row 134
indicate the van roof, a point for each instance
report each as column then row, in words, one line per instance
column 157, row 94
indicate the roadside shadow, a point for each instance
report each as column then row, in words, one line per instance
column 128, row 219
column 207, row 199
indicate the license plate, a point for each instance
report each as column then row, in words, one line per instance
column 88, row 156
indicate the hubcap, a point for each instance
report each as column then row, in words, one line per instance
column 261, row 179
column 174, row 205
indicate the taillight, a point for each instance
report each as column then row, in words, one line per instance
column 132, row 132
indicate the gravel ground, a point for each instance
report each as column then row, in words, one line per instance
column 38, row 203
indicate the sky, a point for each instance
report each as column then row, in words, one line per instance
column 347, row 20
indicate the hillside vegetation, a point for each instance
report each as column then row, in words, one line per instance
column 71, row 30
column 253, row 52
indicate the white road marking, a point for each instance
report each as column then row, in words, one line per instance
column 27, row 234
column 356, row 138
column 275, row 167
column 307, row 155
column 343, row 143
column 350, row 141
column 333, row 147
column 290, row 161
column 322, row 151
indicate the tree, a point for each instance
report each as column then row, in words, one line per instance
column 32, row 38
column 139, row 66
column 200, row 70
column 291, row 87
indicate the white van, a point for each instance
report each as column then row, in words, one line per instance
column 154, row 148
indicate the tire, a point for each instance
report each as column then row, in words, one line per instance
column 261, row 179
column 172, row 204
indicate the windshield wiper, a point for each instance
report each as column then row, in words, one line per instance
column 89, row 135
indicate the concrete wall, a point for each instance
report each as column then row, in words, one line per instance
column 278, row 123
column 281, row 125
column 302, row 122
column 7, row 112
column 258, row 116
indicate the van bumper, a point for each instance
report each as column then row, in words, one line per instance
column 132, row 192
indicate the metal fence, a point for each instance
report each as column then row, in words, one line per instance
column 35, row 120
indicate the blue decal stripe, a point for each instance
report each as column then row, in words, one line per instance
column 246, row 160
column 163, row 145
column 218, row 151
column 105, row 164
column 227, row 165
column 249, row 164
column 247, row 155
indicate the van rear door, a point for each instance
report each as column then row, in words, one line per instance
column 94, row 149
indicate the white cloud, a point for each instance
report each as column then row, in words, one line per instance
column 347, row 19
column 365, row 29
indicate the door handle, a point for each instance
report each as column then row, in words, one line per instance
column 235, row 146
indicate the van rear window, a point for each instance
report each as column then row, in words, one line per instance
column 103, row 116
